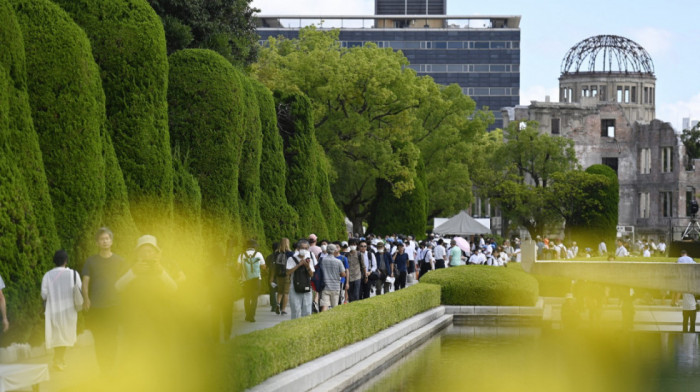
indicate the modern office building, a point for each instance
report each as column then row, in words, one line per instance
column 479, row 53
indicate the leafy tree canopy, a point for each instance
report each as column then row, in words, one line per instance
column 521, row 170
column 375, row 118
column 225, row 26
column 691, row 141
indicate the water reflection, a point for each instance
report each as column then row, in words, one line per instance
column 503, row 358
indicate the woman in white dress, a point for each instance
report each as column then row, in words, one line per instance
column 61, row 316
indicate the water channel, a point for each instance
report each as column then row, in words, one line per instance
column 534, row 358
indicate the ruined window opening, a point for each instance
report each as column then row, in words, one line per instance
column 584, row 92
column 594, row 91
column 666, row 159
column 689, row 196
column 645, row 161
column 644, row 204
column 607, row 127
column 603, row 91
column 619, row 94
column 555, row 126
column 646, row 94
column 634, row 94
column 627, row 94
column 610, row 162
column 666, row 204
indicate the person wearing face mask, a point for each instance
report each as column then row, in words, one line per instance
column 324, row 250
column 300, row 300
column 356, row 271
column 370, row 263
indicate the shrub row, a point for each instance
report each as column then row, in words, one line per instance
column 484, row 286
column 252, row 358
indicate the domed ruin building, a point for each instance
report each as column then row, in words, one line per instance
column 606, row 106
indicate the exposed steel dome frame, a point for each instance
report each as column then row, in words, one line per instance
column 612, row 52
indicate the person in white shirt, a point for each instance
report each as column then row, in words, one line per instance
column 573, row 251
column 427, row 262
column 503, row 259
column 662, row 247
column 621, row 251
column 411, row 249
column 602, row 249
column 439, row 254
column 474, row 258
column 646, row 252
column 370, row 262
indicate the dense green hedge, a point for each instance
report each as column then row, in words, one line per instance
column 249, row 168
column 334, row 216
column 484, row 286
column 390, row 214
column 128, row 44
column 21, row 259
column 295, row 120
column 206, row 117
column 252, row 358
column 116, row 213
column 603, row 226
column 187, row 223
column 278, row 217
column 68, row 109
column 23, row 140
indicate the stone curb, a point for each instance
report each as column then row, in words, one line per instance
column 313, row 373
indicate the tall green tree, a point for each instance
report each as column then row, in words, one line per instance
column 68, row 109
column 581, row 199
column 522, row 169
column 225, row 26
column 25, row 207
column 446, row 129
column 602, row 223
column 363, row 99
column 206, row 109
column 22, row 138
column 128, row 44
column 691, row 141
column 278, row 217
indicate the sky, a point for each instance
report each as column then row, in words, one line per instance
column 668, row 30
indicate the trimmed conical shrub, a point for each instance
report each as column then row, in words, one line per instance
column 249, row 168
column 206, row 117
column 407, row 214
column 116, row 213
column 22, row 139
column 67, row 101
column 278, row 217
column 335, row 218
column 295, row 120
column 128, row 44
column 22, row 259
column 187, row 224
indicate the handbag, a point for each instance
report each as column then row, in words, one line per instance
column 77, row 294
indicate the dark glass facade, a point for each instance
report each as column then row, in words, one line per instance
column 485, row 62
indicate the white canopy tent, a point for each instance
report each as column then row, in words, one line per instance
column 461, row 224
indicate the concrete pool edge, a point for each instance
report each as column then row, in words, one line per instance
column 351, row 365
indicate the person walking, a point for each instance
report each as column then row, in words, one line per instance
column 102, row 303
column 271, row 285
column 384, row 267
column 300, row 268
column 250, row 262
column 283, row 252
column 455, row 254
column 60, row 315
column 401, row 267
column 688, row 302
column 356, row 271
column 439, row 253
column 333, row 270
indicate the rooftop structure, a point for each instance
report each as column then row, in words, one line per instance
column 480, row 53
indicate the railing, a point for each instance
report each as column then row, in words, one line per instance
column 388, row 21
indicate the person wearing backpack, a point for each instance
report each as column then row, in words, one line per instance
column 300, row 268
column 250, row 263
column 282, row 253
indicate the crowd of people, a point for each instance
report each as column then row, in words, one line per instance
column 316, row 275
column 553, row 249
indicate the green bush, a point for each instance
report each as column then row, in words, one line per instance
column 68, row 109
column 295, row 120
column 335, row 218
column 484, row 286
column 22, row 138
column 278, row 217
column 128, row 44
column 406, row 214
column 116, row 213
column 206, row 120
column 601, row 226
column 249, row 168
column 187, row 247
column 252, row 358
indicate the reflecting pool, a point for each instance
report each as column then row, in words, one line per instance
column 493, row 358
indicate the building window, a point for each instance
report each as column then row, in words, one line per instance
column 666, row 159
column 634, row 94
column 603, row 89
column 689, row 196
column 594, row 91
column 666, row 204
column 644, row 204
column 619, row 94
column 555, row 126
column 610, row 162
column 607, row 128
column 645, row 161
